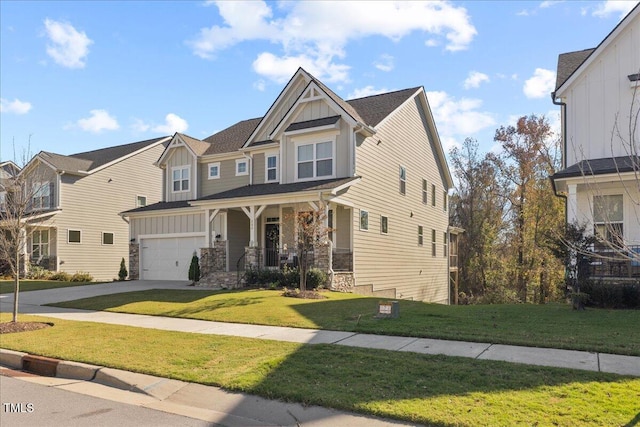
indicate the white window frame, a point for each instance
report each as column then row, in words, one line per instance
column 246, row 167
column 609, row 231
column 382, row 230
column 267, row 168
column 434, row 243
column 181, row 168
column 425, row 192
column 445, row 238
column 402, row 185
column 314, row 161
column 40, row 244
column 445, row 201
column 74, row 243
column 433, row 195
column 363, row 214
column 213, row 165
column 138, row 204
column 420, row 235
column 36, row 189
column 113, row 238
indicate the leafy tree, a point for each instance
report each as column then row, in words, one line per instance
column 311, row 232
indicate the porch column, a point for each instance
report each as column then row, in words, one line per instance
column 572, row 203
column 208, row 217
column 253, row 215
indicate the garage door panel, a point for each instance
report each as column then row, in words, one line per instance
column 168, row 258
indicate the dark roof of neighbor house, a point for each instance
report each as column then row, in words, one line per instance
column 602, row 166
column 89, row 160
column 160, row 206
column 568, row 63
column 276, row 188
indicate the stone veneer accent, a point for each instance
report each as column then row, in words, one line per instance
column 343, row 282
column 134, row 261
column 223, row 280
column 252, row 257
column 323, row 260
column 213, row 260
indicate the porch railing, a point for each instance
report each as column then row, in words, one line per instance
column 609, row 263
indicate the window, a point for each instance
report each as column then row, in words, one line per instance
column 384, row 224
column 403, row 180
column 39, row 244
column 433, row 242
column 424, row 191
column 364, row 220
column 608, row 220
column 420, row 236
column 74, row 236
column 444, row 201
column 180, row 178
column 445, row 240
column 241, row 167
column 314, row 160
column 41, row 195
column 214, row 170
column 141, row 201
column 107, row 238
column 271, row 168
column 433, row 194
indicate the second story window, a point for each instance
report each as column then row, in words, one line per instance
column 424, row 191
column 141, row 201
column 271, row 168
column 214, row 170
column 41, row 195
column 241, row 167
column 444, row 201
column 180, row 178
column 433, row 194
column 314, row 160
column 403, row 180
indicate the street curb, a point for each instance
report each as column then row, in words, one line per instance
column 12, row 359
column 76, row 370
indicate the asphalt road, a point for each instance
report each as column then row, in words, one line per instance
column 23, row 403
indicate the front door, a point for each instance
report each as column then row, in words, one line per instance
column 271, row 240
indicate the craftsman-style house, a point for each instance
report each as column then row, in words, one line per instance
column 375, row 166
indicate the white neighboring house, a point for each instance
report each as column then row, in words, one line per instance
column 599, row 90
column 77, row 200
column 375, row 165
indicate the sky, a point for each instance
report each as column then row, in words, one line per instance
column 82, row 75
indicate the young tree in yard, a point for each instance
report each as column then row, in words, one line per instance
column 311, row 231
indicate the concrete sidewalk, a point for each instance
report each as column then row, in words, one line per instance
column 31, row 303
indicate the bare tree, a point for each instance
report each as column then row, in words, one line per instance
column 311, row 231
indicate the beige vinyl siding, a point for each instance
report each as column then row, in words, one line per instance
column 395, row 261
column 258, row 168
column 92, row 203
column 281, row 110
column 167, row 224
column 287, row 229
column 180, row 156
column 238, row 232
column 227, row 181
column 342, row 232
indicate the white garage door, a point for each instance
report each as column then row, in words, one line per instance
column 168, row 258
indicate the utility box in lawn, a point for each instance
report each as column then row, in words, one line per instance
column 388, row 310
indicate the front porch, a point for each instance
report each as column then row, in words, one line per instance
column 609, row 264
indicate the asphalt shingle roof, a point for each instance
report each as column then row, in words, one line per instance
column 160, row 206
column 373, row 109
column 231, row 138
column 568, row 63
column 600, row 167
column 307, row 124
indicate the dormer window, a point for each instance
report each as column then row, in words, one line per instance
column 180, row 177
column 315, row 160
column 241, row 167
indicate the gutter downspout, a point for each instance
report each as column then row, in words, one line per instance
column 563, row 114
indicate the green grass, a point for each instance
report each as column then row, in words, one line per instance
column 433, row 390
column 6, row 286
column 551, row 325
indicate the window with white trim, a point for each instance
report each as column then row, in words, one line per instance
column 107, row 238
column 445, row 239
column 424, row 191
column 39, row 244
column 444, row 201
column 420, row 236
column 433, row 242
column 214, row 170
column 74, row 236
column 384, row 224
column 403, row 179
column 314, row 160
column 364, row 220
column 180, row 179
column 433, row 194
column 608, row 220
column 241, row 167
column 41, row 195
column 271, row 167
column 141, row 201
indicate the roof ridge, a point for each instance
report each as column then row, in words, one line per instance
column 384, row 93
column 77, row 155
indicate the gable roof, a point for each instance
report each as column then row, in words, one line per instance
column 373, row 109
column 590, row 56
column 568, row 63
column 197, row 146
column 232, row 138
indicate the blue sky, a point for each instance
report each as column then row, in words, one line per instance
column 77, row 76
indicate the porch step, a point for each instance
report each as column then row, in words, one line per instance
column 368, row 290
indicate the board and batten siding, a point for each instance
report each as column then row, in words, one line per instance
column 600, row 98
column 92, row 204
column 239, row 233
column 179, row 156
column 395, row 260
column 167, row 224
column 281, row 109
column 227, row 181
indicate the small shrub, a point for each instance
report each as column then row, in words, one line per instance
column 61, row 276
column 38, row 273
column 316, row 278
column 123, row 273
column 612, row 294
column 194, row 269
column 81, row 276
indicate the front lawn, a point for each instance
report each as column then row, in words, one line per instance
column 433, row 390
column 6, row 286
column 551, row 325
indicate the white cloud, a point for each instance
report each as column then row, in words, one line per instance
column 541, row 84
column 260, row 85
column 67, row 46
column 316, row 33
column 16, row 106
column 140, row 126
column 548, row 3
column 457, row 119
column 613, row 7
column 384, row 63
column 366, row 91
column 100, row 120
column 173, row 123
column 475, row 79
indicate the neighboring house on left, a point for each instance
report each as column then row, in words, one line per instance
column 8, row 170
column 75, row 200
